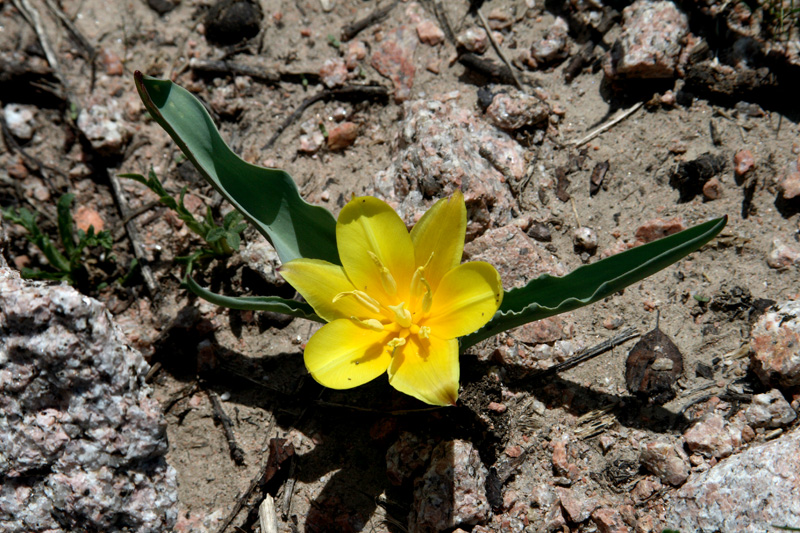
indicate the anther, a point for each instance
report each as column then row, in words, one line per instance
column 387, row 280
column 362, row 297
column 370, row 323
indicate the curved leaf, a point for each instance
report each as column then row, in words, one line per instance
column 550, row 295
column 255, row 303
column 267, row 197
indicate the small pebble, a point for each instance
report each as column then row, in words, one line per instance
column 585, row 239
column 712, row 189
column 743, row 162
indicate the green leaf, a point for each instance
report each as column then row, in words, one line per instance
column 550, row 295
column 255, row 303
column 268, row 198
column 65, row 223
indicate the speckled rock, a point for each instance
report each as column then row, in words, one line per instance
column 406, row 456
column 789, row 181
column 452, row 491
column 473, row 39
column 333, row 72
column 782, row 256
column 713, row 436
column 439, row 150
column 609, row 520
column 748, row 493
column 666, row 461
column 19, row 119
column 650, row 43
column 104, row 127
column 657, row 228
column 82, row 442
column 517, row 257
column 261, row 257
column 775, row 339
column 554, row 46
column 769, row 410
column 394, row 59
column 513, row 109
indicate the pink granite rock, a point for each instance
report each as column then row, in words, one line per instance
column 513, row 109
column 713, row 437
column 82, row 442
column 769, row 410
column 394, row 59
column 750, row 492
column 406, row 457
column 666, row 461
column 775, row 339
column 554, row 46
column 429, row 33
column 452, row 491
column 439, row 150
column 658, row 228
column 650, row 43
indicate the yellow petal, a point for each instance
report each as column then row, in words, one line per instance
column 467, row 298
column 441, row 232
column 344, row 354
column 370, row 234
column 427, row 369
column 319, row 282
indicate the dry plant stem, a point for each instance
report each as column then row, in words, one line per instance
column 72, row 29
column 497, row 49
column 486, row 67
column 32, row 16
column 365, row 91
column 589, row 353
column 608, row 125
column 288, row 491
column 441, row 16
column 266, row 516
column 133, row 234
column 265, row 73
column 237, row 454
column 254, row 483
column 353, row 29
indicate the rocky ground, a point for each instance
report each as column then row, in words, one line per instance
column 576, row 130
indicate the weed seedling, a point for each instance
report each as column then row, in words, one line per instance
column 220, row 240
column 69, row 265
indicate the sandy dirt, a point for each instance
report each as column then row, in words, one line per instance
column 336, row 479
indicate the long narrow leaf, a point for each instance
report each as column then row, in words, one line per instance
column 255, row 303
column 268, row 198
column 550, row 295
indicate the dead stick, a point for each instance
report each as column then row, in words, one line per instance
column 486, row 67
column 345, row 93
column 288, row 491
column 608, row 125
column 354, row 28
column 497, row 49
column 589, row 353
column 227, row 68
column 133, row 234
column 254, row 483
column 237, row 454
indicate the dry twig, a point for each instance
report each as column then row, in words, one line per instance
column 237, row 454
column 497, row 49
column 608, row 125
column 354, row 28
column 133, row 234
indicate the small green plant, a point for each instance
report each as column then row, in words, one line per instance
column 70, row 265
column 221, row 240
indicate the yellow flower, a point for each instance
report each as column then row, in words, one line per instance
column 398, row 302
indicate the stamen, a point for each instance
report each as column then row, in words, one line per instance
column 387, row 280
column 424, row 332
column 416, row 279
column 401, row 314
column 427, row 300
column 363, row 298
column 370, row 323
column 395, row 343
